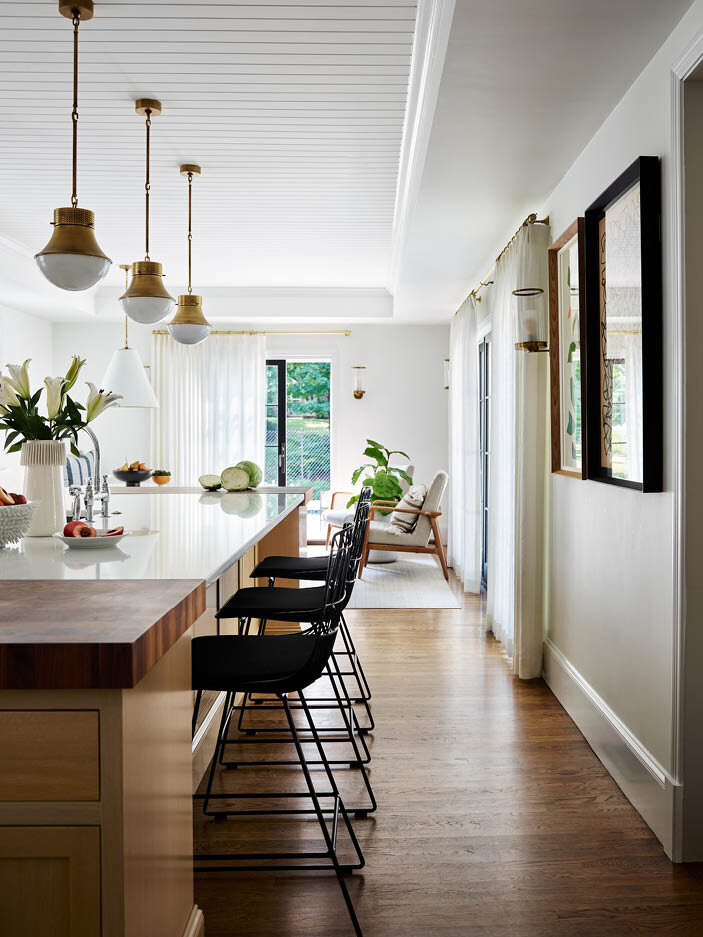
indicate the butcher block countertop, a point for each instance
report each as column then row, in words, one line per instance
column 92, row 619
column 90, row 635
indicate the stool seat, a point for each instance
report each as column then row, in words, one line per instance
column 247, row 663
column 292, row 567
column 275, row 604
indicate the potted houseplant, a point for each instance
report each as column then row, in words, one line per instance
column 380, row 475
column 161, row 476
column 41, row 437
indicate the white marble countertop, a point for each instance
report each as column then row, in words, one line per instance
column 173, row 535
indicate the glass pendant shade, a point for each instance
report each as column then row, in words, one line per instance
column 531, row 312
column 359, row 381
column 189, row 325
column 73, row 260
column 146, row 299
column 126, row 375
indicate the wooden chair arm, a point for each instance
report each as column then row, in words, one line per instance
column 334, row 495
column 408, row 511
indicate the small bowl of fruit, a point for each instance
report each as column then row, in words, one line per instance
column 161, row 476
column 16, row 515
column 78, row 535
column 132, row 473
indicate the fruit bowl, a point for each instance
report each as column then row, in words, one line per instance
column 15, row 520
column 133, row 479
column 89, row 543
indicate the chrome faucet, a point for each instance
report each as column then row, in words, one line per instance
column 105, row 498
column 75, row 492
column 89, row 500
column 96, row 449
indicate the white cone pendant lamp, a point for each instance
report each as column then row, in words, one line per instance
column 146, row 299
column 73, row 260
column 126, row 373
column 189, row 325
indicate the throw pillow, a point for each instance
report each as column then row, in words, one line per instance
column 413, row 498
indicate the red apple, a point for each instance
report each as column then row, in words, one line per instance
column 115, row 532
column 18, row 499
column 69, row 529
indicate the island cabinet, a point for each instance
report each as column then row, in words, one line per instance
column 97, row 759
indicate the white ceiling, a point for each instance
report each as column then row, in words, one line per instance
column 296, row 112
column 524, row 88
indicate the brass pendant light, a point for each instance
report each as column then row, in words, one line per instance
column 146, row 299
column 73, row 260
column 189, row 325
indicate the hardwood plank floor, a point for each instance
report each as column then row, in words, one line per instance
column 495, row 817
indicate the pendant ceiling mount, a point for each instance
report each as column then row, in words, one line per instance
column 146, row 299
column 189, row 325
column 73, row 260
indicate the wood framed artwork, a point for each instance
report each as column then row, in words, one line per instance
column 567, row 327
column 624, row 330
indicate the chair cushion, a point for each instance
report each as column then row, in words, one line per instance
column 338, row 517
column 384, row 533
column 78, row 469
column 414, row 498
column 292, row 567
column 276, row 604
column 244, row 662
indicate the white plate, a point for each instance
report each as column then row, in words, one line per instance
column 89, row 543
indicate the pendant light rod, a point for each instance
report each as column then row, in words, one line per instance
column 74, row 112
column 126, row 268
column 147, row 107
column 190, row 229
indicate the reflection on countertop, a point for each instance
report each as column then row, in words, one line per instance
column 177, row 535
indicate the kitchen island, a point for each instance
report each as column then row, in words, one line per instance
column 97, row 763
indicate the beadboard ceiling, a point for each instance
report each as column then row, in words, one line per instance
column 294, row 110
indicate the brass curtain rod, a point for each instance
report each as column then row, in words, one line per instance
column 531, row 219
column 269, row 332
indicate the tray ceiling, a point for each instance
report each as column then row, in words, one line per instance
column 295, row 112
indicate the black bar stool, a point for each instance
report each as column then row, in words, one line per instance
column 300, row 605
column 280, row 665
column 313, row 569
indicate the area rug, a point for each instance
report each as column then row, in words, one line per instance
column 412, row 582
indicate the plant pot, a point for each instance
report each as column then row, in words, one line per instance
column 44, row 461
column 161, row 479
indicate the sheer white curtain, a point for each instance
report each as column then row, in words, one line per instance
column 212, row 404
column 464, row 473
column 516, row 515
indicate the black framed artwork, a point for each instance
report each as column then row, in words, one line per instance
column 624, row 330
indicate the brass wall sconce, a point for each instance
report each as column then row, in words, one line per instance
column 358, row 388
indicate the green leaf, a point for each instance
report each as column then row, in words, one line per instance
column 74, row 449
column 374, row 453
column 403, row 474
column 357, row 473
column 372, row 442
column 572, row 349
column 399, row 452
column 16, row 448
column 35, row 398
column 570, row 425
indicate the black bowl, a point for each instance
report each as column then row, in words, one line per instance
column 133, row 479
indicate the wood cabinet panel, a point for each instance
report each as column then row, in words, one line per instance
column 50, row 881
column 49, row 755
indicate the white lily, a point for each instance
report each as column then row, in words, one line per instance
column 19, row 378
column 8, row 397
column 74, row 370
column 54, row 395
column 98, row 400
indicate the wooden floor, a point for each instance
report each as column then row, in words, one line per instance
column 495, row 817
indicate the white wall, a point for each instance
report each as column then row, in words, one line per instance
column 611, row 620
column 23, row 336
column 405, row 406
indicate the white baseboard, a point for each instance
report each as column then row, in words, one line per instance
column 646, row 784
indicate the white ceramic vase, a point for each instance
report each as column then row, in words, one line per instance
column 44, row 461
